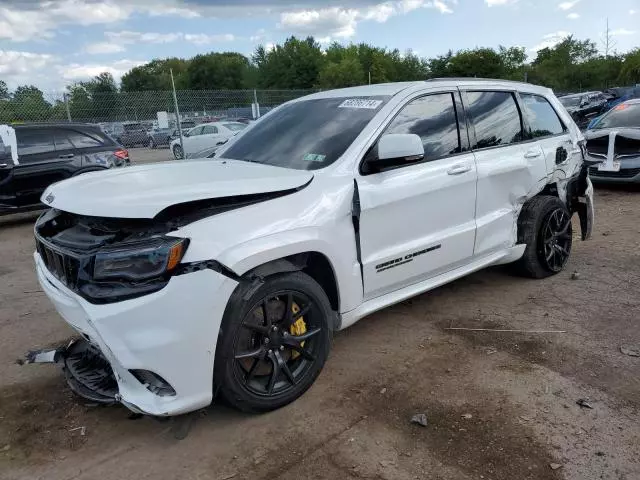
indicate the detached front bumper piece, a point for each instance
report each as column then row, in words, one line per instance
column 87, row 371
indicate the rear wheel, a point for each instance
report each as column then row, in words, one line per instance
column 545, row 227
column 177, row 152
column 151, row 143
column 273, row 342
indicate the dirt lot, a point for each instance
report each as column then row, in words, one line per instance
column 499, row 405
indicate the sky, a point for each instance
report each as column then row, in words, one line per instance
column 53, row 43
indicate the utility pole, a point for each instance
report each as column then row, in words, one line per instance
column 608, row 41
column 175, row 103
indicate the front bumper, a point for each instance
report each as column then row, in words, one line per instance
column 624, row 175
column 172, row 332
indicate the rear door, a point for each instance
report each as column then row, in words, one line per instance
column 39, row 164
column 210, row 137
column 508, row 166
column 417, row 220
column 90, row 147
column 543, row 125
column 192, row 141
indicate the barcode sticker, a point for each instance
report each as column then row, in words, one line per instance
column 360, row 103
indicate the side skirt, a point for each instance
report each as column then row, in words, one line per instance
column 370, row 306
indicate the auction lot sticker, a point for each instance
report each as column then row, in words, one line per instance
column 360, row 103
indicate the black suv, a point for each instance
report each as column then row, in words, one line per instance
column 50, row 153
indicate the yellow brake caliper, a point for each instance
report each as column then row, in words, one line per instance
column 299, row 327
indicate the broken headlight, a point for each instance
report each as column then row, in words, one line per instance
column 140, row 260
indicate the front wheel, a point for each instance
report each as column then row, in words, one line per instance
column 152, row 144
column 273, row 342
column 545, row 227
column 177, row 152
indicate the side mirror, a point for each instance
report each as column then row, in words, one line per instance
column 184, row 134
column 397, row 149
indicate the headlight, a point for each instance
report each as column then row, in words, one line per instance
column 141, row 260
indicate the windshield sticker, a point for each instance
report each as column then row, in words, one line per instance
column 314, row 157
column 360, row 103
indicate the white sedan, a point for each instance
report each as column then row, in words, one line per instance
column 203, row 136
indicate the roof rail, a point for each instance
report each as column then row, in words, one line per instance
column 470, row 79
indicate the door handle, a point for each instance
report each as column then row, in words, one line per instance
column 68, row 155
column 532, row 154
column 459, row 169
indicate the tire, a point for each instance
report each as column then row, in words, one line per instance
column 248, row 383
column 152, row 144
column 177, row 152
column 544, row 226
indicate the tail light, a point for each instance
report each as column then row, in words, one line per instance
column 121, row 154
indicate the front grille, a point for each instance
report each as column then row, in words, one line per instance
column 63, row 266
column 623, row 173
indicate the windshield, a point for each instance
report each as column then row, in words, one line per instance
column 306, row 135
column 570, row 101
column 624, row 115
column 235, row 127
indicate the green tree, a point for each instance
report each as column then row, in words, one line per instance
column 345, row 73
column 29, row 105
column 4, row 90
column 218, row 71
column 630, row 68
column 156, row 76
column 294, row 64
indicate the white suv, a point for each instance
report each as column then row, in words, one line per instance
column 189, row 279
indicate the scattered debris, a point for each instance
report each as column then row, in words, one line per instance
column 83, row 430
column 491, row 350
column 387, row 463
column 631, row 350
column 555, row 466
column 383, row 391
column 575, row 276
column 584, row 403
column 606, row 233
column 504, row 330
column 467, row 416
column 600, row 453
column 420, row 419
column 6, row 448
column 228, row 476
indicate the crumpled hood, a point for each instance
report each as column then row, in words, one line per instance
column 144, row 191
column 633, row 133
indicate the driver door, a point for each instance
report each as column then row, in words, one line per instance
column 418, row 220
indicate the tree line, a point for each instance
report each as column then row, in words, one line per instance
column 572, row 65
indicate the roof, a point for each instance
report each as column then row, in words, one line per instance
column 391, row 89
column 54, row 124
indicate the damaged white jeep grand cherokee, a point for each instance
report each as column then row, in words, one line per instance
column 230, row 275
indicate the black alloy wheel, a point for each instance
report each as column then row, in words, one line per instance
column 152, row 144
column 274, row 344
column 177, row 152
column 555, row 240
column 276, row 347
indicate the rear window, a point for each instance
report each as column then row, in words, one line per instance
column 235, row 127
column 621, row 116
column 570, row 101
column 543, row 119
column 496, row 118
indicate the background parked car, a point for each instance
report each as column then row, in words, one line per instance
column 161, row 137
column 133, row 133
column 50, row 153
column 205, row 136
column 584, row 106
column 623, row 121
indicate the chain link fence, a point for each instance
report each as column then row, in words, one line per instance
column 117, row 107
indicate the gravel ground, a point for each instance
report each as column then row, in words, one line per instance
column 498, row 405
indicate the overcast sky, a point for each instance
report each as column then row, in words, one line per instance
column 52, row 43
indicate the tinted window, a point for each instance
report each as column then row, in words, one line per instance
column 62, row 141
column 496, row 118
column 305, row 135
column 82, row 140
column 209, row 130
column 570, row 101
column 433, row 119
column 623, row 115
column 542, row 118
column 132, row 127
column 195, row 131
column 31, row 142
